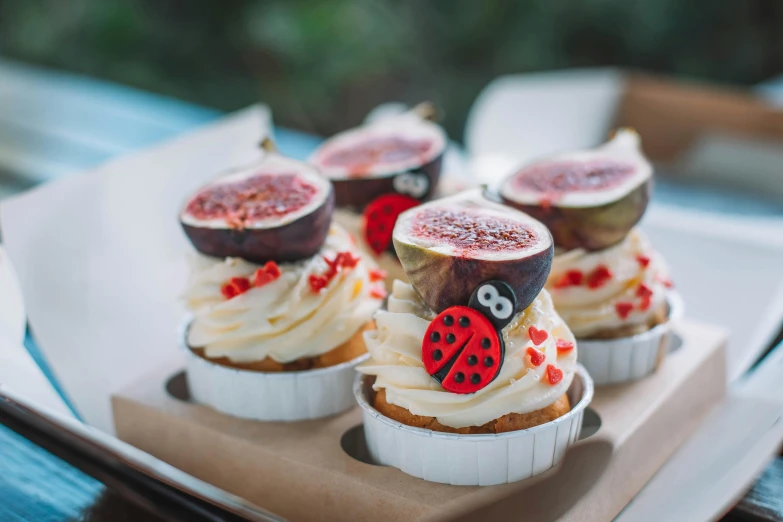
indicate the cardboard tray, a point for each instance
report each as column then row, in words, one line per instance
column 314, row 470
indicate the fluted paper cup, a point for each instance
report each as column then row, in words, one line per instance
column 272, row 396
column 472, row 460
column 614, row 361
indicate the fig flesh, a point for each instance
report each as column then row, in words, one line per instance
column 398, row 154
column 276, row 210
column 589, row 199
column 450, row 246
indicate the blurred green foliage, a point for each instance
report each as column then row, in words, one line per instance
column 322, row 65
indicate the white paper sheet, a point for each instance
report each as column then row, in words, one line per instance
column 18, row 371
column 100, row 258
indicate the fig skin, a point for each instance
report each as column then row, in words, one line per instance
column 295, row 241
column 356, row 193
column 443, row 280
column 593, row 228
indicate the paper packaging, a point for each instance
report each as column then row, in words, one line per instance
column 300, row 471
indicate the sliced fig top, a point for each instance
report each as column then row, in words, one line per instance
column 582, row 179
column 450, row 246
column 383, row 148
column 278, row 209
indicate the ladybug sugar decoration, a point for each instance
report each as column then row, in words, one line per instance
column 463, row 346
column 380, row 215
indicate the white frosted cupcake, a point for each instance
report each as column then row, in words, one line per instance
column 472, row 376
column 276, row 325
column 607, row 283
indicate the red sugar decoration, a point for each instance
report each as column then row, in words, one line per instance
column 536, row 335
column 643, row 291
column 377, row 275
column 599, row 277
column 235, row 286
column 317, row 282
column 536, row 357
column 266, row 274
column 646, row 303
column 665, row 282
column 378, row 292
column 343, row 260
column 623, row 309
column 644, row 261
column 570, row 278
column 554, row 375
column 564, row 346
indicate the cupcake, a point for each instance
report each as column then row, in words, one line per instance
column 380, row 170
column 279, row 295
column 473, row 376
column 607, row 282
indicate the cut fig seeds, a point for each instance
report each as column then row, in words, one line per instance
column 400, row 154
column 589, row 199
column 276, row 210
column 450, row 246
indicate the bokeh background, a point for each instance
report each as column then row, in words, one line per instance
column 323, row 64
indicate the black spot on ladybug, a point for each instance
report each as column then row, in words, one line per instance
column 387, row 210
column 472, row 360
column 448, row 320
column 437, row 355
column 486, row 343
column 475, row 378
column 381, row 227
column 450, row 338
column 435, row 337
column 459, row 377
column 464, row 322
column 488, row 361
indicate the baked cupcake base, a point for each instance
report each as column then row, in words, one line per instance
column 480, row 459
column 509, row 422
column 349, row 350
column 616, row 360
column 276, row 395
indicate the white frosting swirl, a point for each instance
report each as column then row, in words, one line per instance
column 395, row 349
column 284, row 319
column 632, row 262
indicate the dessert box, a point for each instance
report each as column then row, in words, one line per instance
column 100, row 262
column 317, row 470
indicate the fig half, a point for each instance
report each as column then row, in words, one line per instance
column 450, row 246
column 402, row 154
column 278, row 209
column 589, row 199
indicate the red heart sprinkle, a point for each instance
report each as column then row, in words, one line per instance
column 536, row 357
column 570, row 278
column 377, row 275
column 643, row 291
column 623, row 309
column 599, row 277
column 228, row 291
column 665, row 282
column 378, row 292
column 644, row 261
column 266, row 274
column 317, row 282
column 536, row 335
column 554, row 375
column 646, row 303
column 564, row 346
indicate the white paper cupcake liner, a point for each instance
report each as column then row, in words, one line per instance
column 272, row 396
column 472, row 460
column 614, row 361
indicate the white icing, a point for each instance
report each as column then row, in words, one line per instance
column 284, row 320
column 590, row 310
column 395, row 349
